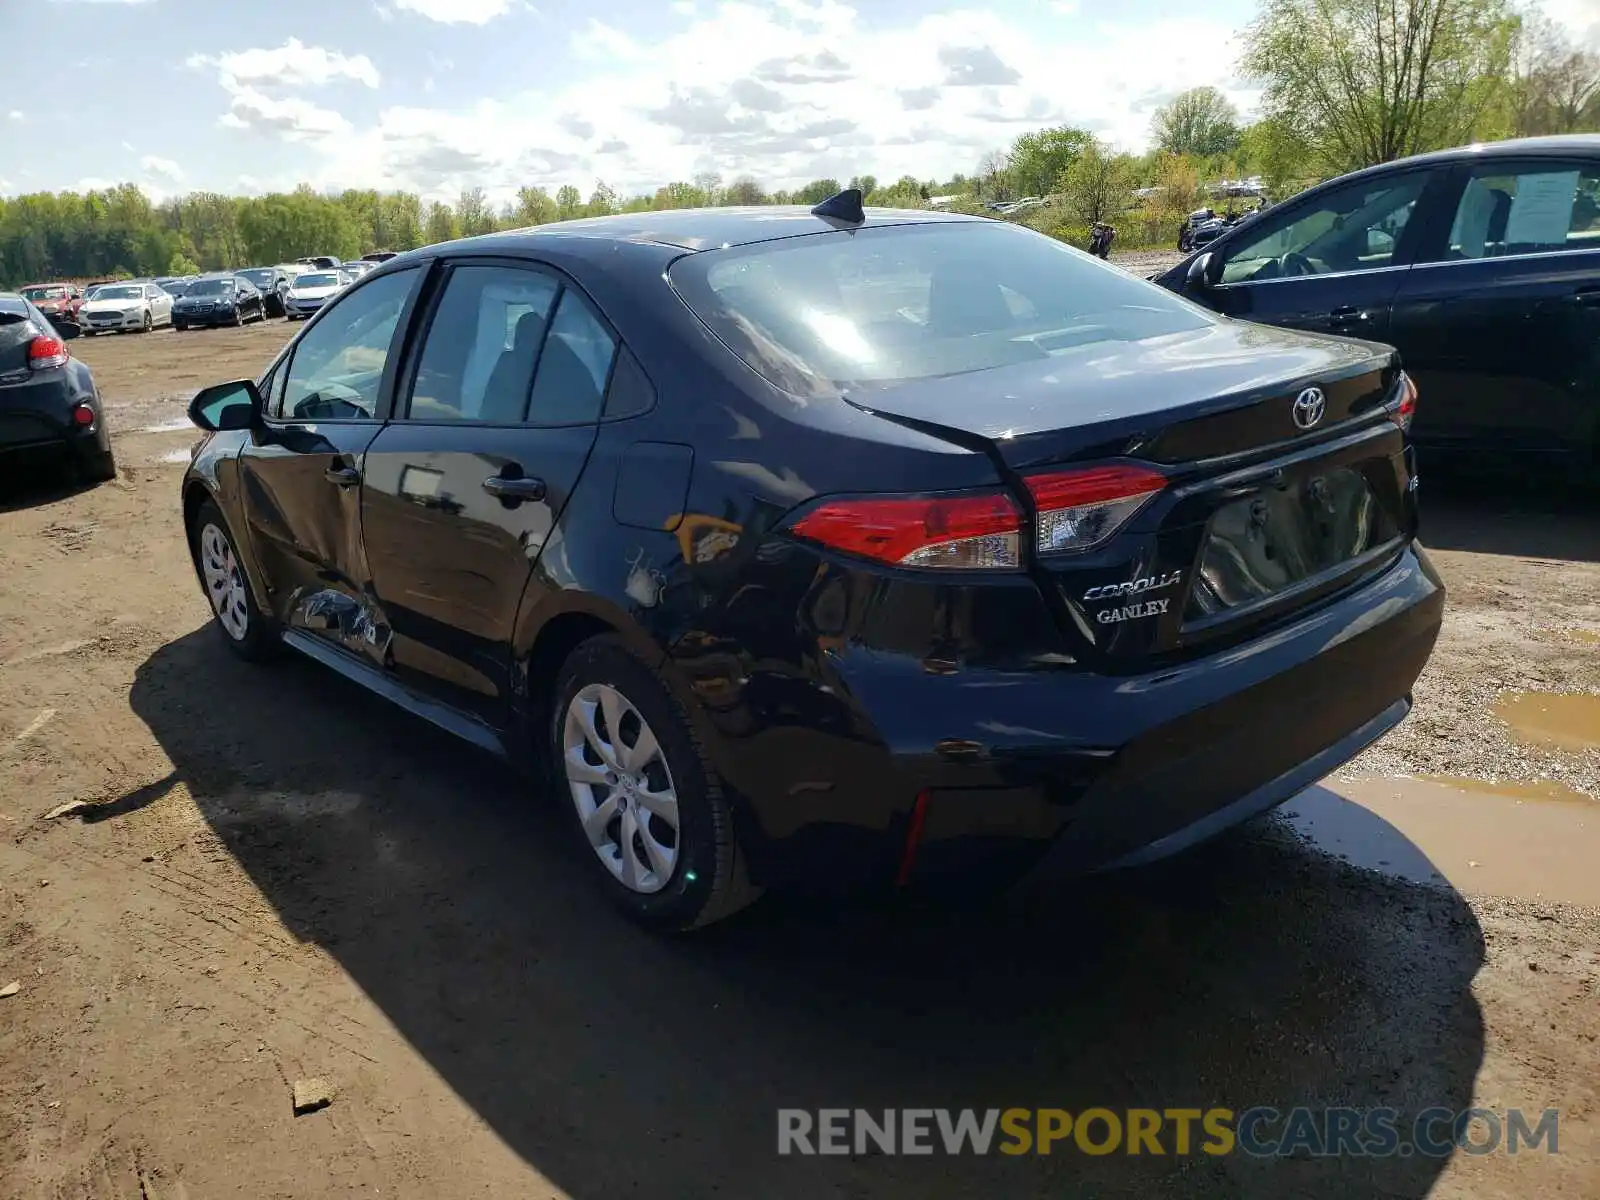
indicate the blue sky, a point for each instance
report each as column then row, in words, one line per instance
column 437, row 95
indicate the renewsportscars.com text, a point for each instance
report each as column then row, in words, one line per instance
column 1260, row 1132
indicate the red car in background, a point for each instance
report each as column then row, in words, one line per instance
column 58, row 301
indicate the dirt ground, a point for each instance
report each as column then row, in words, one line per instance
column 281, row 878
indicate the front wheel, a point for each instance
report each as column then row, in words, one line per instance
column 149, row 323
column 248, row 632
column 646, row 806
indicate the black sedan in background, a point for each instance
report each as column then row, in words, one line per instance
column 804, row 547
column 273, row 284
column 1482, row 265
column 218, row 300
column 49, row 405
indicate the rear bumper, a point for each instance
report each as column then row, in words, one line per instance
column 1062, row 771
column 36, row 418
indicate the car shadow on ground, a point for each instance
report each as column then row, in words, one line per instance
column 1253, row 973
column 1480, row 515
column 31, row 484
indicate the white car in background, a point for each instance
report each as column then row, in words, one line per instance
column 311, row 290
column 125, row 307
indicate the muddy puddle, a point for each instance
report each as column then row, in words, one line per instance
column 1568, row 721
column 1462, row 834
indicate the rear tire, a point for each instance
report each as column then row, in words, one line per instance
column 243, row 627
column 647, row 809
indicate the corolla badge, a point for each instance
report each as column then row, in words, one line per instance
column 1309, row 406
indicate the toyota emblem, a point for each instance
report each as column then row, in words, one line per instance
column 1309, row 406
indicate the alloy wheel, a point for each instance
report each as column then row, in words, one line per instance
column 622, row 788
column 224, row 581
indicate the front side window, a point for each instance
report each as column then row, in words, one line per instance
column 1534, row 209
column 898, row 303
column 486, row 334
column 338, row 363
column 1354, row 228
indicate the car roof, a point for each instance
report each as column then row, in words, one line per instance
column 1561, row 145
column 692, row 228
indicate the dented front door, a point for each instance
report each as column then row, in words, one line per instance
column 303, row 508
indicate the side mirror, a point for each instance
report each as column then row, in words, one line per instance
column 235, row 405
column 1204, row 271
column 67, row 329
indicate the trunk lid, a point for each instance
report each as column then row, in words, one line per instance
column 1262, row 514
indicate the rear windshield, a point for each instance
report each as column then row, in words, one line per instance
column 259, row 277
column 45, row 293
column 315, row 280
column 894, row 304
column 209, row 287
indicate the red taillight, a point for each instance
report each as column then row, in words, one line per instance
column 973, row 531
column 1080, row 509
column 46, row 351
column 83, row 416
column 1405, row 409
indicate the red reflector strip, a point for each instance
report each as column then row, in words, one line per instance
column 890, row 529
column 908, row 856
column 83, row 415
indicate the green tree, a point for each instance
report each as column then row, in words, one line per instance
column 533, row 207
column 1369, row 81
column 1199, row 122
column 745, row 190
column 817, row 191
column 1098, row 185
column 569, row 203
column 1037, row 159
column 441, row 224
column 602, row 201
column 474, row 213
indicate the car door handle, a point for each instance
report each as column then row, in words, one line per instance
column 343, row 476
column 518, row 489
column 1348, row 315
column 1586, row 296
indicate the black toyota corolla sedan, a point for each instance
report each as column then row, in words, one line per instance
column 1481, row 264
column 804, row 546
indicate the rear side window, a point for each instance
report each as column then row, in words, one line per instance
column 1532, row 209
column 570, row 385
column 477, row 361
column 890, row 305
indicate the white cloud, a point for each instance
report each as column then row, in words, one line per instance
column 291, row 65
column 15, row 117
column 127, row 145
column 451, row 12
column 163, row 168
column 291, row 117
column 814, row 90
